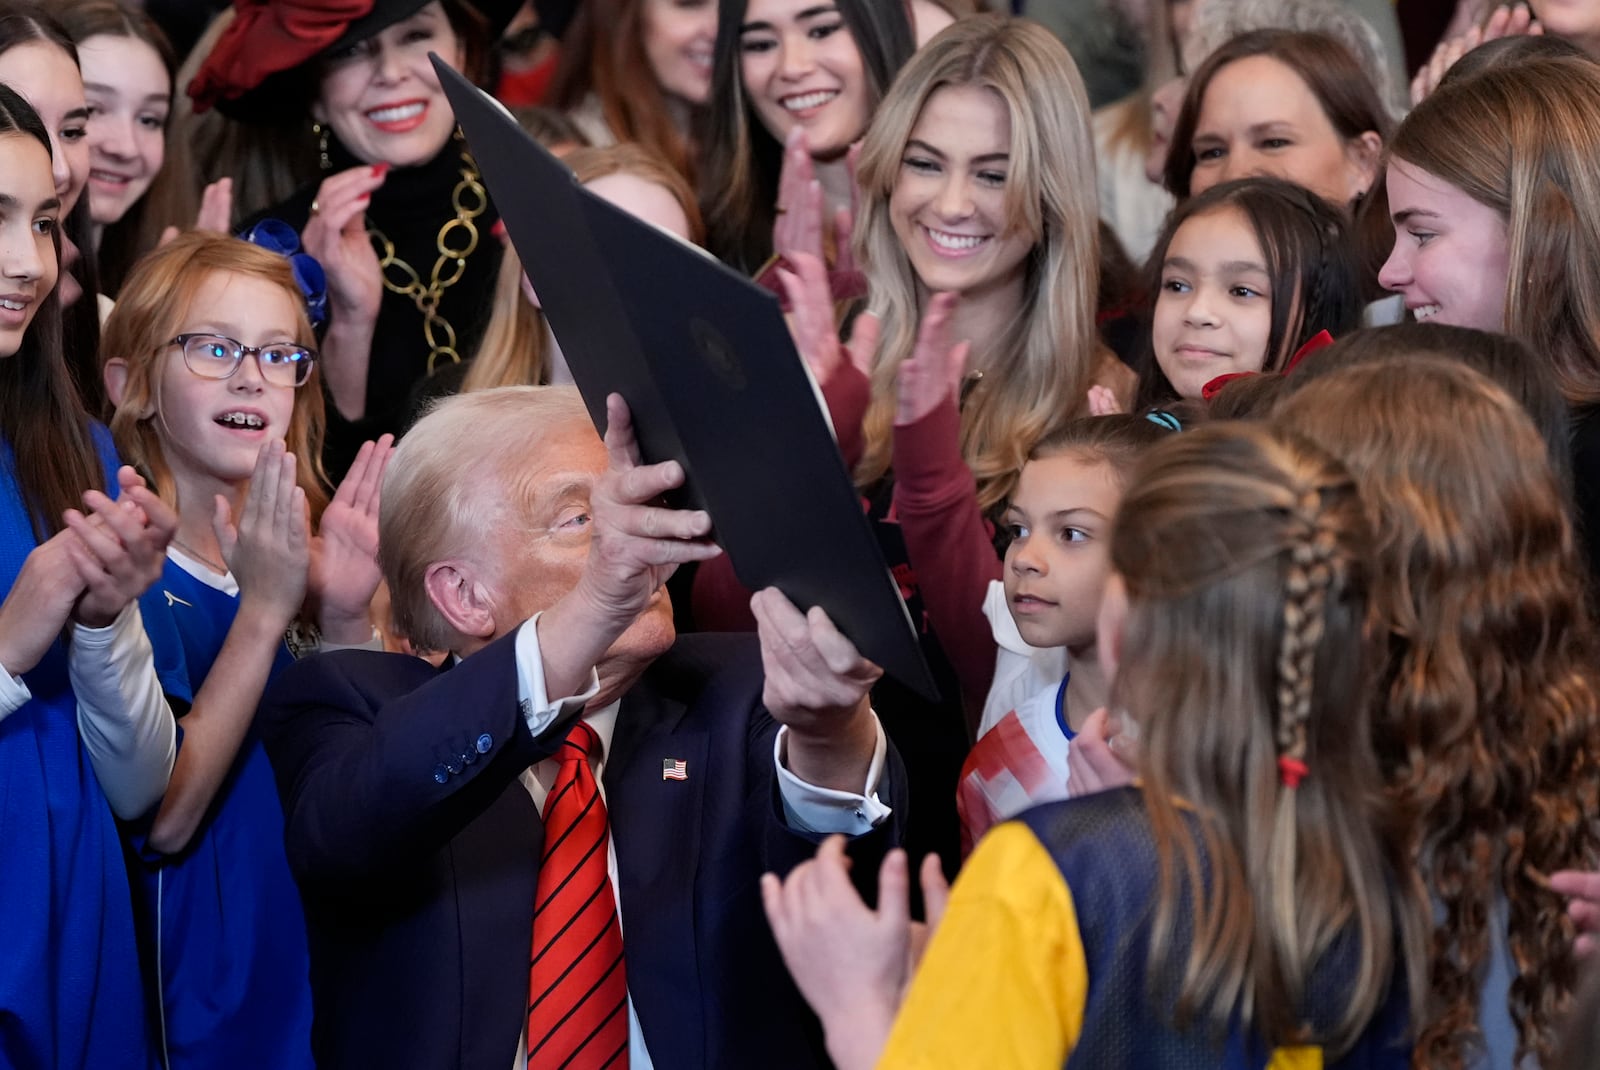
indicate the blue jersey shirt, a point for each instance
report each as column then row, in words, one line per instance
column 223, row 917
column 69, row 973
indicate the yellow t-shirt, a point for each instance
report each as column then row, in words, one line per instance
column 1005, row 980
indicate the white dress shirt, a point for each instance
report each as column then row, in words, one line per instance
column 806, row 806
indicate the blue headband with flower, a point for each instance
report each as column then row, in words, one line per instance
column 276, row 236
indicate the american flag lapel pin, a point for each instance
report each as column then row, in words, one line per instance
column 674, row 769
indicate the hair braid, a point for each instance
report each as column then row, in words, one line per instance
column 1310, row 574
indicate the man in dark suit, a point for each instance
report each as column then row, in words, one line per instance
column 442, row 822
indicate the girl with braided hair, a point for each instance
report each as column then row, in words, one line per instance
column 1488, row 708
column 1242, row 905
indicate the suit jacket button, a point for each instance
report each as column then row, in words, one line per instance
column 485, row 741
column 468, row 757
column 440, row 773
column 454, row 767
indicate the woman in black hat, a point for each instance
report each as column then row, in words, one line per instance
column 399, row 217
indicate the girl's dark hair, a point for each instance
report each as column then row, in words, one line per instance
column 23, row 22
column 1328, row 69
column 741, row 160
column 122, row 242
column 41, row 416
column 1316, row 284
column 1504, row 360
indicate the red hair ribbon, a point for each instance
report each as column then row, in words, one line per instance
column 268, row 36
column 1320, row 340
column 1292, row 770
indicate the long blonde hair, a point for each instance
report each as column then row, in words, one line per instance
column 1045, row 362
column 1244, row 552
column 159, row 295
column 512, row 352
column 1525, row 141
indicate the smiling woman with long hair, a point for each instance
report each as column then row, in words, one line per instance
column 397, row 214
column 782, row 66
column 85, row 735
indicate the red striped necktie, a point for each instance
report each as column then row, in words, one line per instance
column 578, row 990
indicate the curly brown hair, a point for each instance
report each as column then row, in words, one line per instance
column 1488, row 718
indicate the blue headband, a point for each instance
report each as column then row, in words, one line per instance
column 276, row 236
column 1163, row 418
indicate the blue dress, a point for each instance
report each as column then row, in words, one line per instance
column 70, row 995
column 223, row 917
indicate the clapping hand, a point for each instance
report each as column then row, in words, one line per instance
column 1504, row 22
column 1103, row 401
column 39, row 602
column 847, row 959
column 120, row 547
column 935, row 368
column 336, row 234
column 344, row 572
column 1583, row 893
column 216, row 211
column 269, row 550
column 811, row 322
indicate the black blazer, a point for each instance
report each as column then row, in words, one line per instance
column 417, row 850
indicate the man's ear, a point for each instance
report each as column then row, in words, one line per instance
column 463, row 601
column 115, row 375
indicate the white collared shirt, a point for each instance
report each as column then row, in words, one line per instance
column 805, row 806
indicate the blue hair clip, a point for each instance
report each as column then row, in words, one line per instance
column 1163, row 418
column 276, row 236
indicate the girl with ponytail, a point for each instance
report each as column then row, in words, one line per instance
column 1242, row 904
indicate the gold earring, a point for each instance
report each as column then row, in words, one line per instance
column 321, row 133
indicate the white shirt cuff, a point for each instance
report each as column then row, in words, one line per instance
column 538, row 709
column 14, row 694
column 808, row 808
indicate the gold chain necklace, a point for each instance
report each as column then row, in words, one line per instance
column 469, row 201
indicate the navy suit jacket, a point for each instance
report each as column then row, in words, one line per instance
column 417, row 849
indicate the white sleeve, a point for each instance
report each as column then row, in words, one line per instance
column 14, row 694
column 808, row 808
column 127, row 726
column 539, row 710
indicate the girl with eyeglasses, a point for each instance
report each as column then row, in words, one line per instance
column 208, row 359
